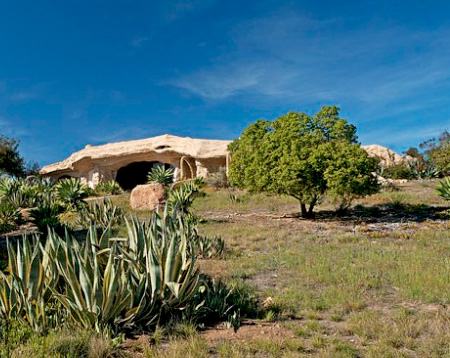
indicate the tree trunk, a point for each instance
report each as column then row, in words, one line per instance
column 311, row 208
column 307, row 213
column 303, row 210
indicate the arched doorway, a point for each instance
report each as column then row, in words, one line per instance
column 136, row 173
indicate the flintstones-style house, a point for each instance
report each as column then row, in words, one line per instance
column 129, row 162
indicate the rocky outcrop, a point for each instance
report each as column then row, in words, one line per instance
column 147, row 197
column 386, row 156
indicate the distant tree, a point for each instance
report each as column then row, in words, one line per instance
column 437, row 151
column 10, row 160
column 304, row 157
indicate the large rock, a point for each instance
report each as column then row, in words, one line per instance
column 147, row 197
column 386, row 156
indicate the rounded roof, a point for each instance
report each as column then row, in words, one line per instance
column 192, row 147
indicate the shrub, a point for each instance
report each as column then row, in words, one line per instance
column 161, row 175
column 10, row 217
column 398, row 171
column 108, row 188
column 219, row 179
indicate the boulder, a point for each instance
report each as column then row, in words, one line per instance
column 387, row 157
column 147, row 197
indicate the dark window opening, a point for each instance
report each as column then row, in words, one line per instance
column 162, row 147
column 136, row 173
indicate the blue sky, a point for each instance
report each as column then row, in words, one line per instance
column 78, row 72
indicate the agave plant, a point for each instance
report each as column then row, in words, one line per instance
column 46, row 215
column 103, row 214
column 10, row 217
column 25, row 292
column 161, row 175
column 444, row 188
column 8, row 186
column 182, row 197
column 106, row 283
column 71, row 192
column 206, row 247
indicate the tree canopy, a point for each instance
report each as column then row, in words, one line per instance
column 437, row 152
column 304, row 157
column 10, row 160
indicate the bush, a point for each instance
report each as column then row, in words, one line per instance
column 218, row 180
column 398, row 171
column 108, row 188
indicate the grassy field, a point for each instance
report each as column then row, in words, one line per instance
column 372, row 283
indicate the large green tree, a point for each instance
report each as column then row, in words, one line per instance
column 304, row 157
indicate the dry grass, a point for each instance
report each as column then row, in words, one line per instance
column 353, row 286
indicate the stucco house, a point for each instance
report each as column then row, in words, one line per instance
column 129, row 162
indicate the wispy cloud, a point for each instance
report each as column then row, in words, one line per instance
column 139, row 42
column 220, row 83
column 287, row 56
column 22, row 91
column 9, row 129
column 23, row 96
